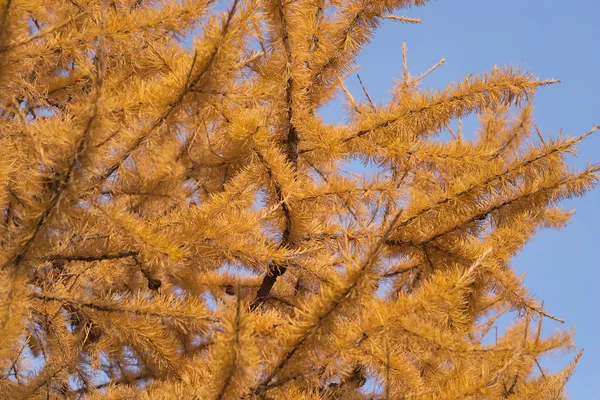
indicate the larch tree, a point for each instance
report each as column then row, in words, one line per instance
column 177, row 223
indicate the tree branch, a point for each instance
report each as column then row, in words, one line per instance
column 275, row 270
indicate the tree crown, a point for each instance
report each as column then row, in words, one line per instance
column 178, row 223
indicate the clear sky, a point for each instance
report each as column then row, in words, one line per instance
column 552, row 39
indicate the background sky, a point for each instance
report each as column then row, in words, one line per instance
column 552, row 39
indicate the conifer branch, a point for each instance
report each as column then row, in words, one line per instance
column 156, row 124
column 230, row 368
column 522, row 302
column 274, row 270
column 387, row 375
column 48, row 374
column 507, row 88
column 366, row 92
column 57, row 187
column 324, row 177
column 292, row 135
column 172, row 309
column 399, row 18
column 361, row 18
column 561, row 147
column 585, row 176
column 90, row 258
column 38, row 35
column 291, row 153
column 430, row 70
column 309, row 327
column 62, row 182
column 345, row 37
column 191, row 81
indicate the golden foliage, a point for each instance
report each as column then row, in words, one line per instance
column 177, row 223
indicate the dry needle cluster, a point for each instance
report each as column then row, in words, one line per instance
column 177, row 223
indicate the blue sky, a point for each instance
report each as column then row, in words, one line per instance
column 551, row 39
